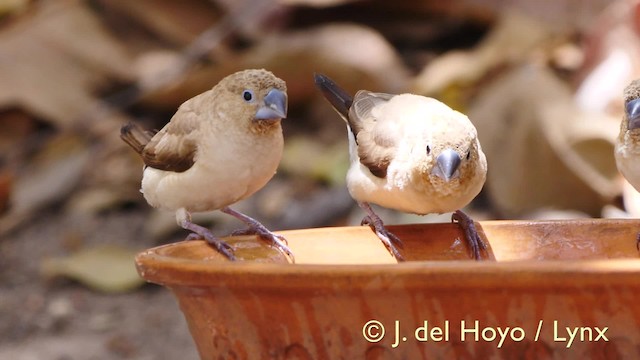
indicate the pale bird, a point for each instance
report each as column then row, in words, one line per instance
column 220, row 147
column 409, row 153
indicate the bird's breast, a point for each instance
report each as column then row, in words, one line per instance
column 225, row 171
column 412, row 194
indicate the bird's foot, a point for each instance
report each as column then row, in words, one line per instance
column 256, row 228
column 468, row 226
column 383, row 230
column 389, row 239
column 251, row 231
column 202, row 233
column 278, row 241
column 194, row 236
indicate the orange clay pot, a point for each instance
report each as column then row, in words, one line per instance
column 562, row 289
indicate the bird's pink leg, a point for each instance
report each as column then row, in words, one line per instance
column 255, row 227
column 200, row 232
column 469, row 228
column 376, row 224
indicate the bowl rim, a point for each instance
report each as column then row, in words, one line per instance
column 157, row 266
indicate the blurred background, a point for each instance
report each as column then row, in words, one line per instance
column 541, row 80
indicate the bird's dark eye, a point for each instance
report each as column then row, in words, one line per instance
column 247, row 95
column 468, row 154
column 428, row 149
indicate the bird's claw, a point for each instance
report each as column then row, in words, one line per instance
column 387, row 237
column 222, row 247
column 382, row 231
column 256, row 228
column 264, row 233
column 471, row 234
column 279, row 241
column 202, row 233
column 194, row 236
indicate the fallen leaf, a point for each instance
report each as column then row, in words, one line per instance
column 16, row 127
column 52, row 69
column 357, row 57
column 12, row 7
column 612, row 50
column 50, row 176
column 108, row 268
column 6, row 184
column 542, row 150
column 305, row 157
column 178, row 22
column 511, row 41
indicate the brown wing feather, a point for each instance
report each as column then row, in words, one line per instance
column 376, row 142
column 363, row 103
column 374, row 154
column 135, row 137
column 174, row 147
column 376, row 147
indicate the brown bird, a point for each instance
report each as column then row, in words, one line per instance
column 409, row 153
column 220, row 147
column 627, row 149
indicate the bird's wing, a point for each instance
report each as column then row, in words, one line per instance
column 376, row 138
column 135, row 137
column 174, row 147
column 337, row 96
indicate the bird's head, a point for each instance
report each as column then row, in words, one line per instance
column 256, row 97
column 452, row 156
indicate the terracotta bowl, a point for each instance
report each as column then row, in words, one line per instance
column 563, row 289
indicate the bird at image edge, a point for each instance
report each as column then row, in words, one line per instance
column 409, row 153
column 627, row 149
column 220, row 147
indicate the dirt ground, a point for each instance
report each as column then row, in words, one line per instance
column 63, row 320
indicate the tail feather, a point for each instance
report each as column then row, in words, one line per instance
column 337, row 97
column 135, row 137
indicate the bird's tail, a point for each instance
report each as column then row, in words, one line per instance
column 133, row 135
column 338, row 97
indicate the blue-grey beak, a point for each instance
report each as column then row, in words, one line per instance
column 274, row 107
column 447, row 164
column 633, row 114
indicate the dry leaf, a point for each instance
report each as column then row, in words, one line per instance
column 305, row 157
column 54, row 60
column 356, row 56
column 612, row 54
column 178, row 22
column 16, row 127
column 6, row 184
column 12, row 7
column 108, row 268
column 117, row 182
column 511, row 41
column 543, row 152
column 51, row 176
column 316, row 3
